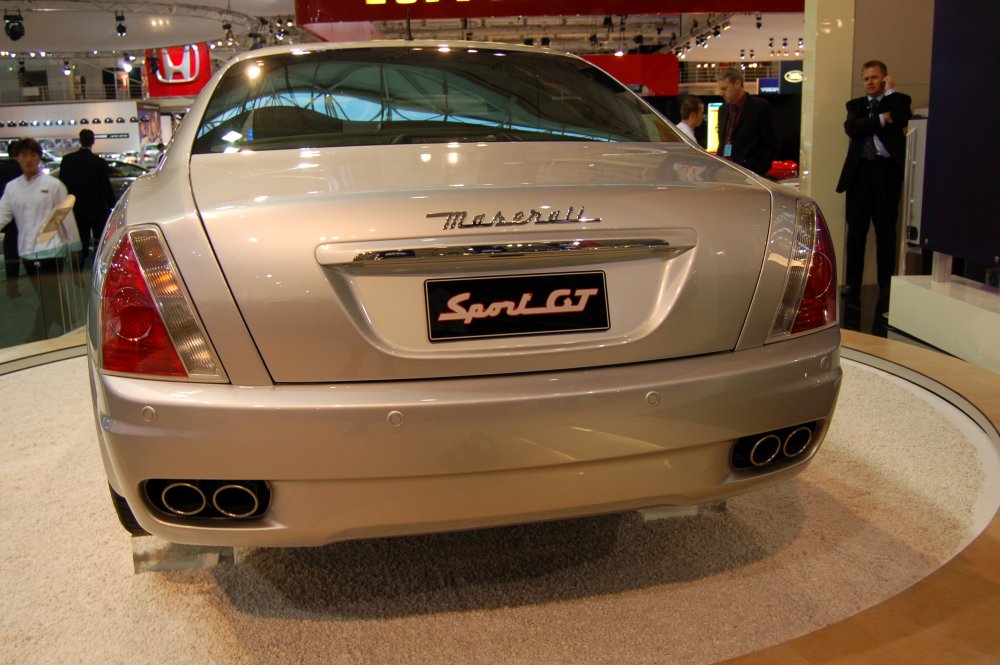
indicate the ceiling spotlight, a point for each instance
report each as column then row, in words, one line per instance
column 66, row 70
column 13, row 25
column 230, row 37
column 716, row 31
column 760, row 20
column 120, row 28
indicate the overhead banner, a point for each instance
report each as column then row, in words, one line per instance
column 330, row 11
column 177, row 71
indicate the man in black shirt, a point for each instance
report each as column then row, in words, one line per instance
column 86, row 177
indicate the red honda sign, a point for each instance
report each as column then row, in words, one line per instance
column 178, row 71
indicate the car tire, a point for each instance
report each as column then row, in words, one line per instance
column 125, row 515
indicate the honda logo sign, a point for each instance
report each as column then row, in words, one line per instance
column 179, row 68
column 178, row 71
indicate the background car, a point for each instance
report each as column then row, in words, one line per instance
column 149, row 155
column 400, row 287
column 123, row 174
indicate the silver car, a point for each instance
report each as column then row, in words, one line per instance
column 402, row 287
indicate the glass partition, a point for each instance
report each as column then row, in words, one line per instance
column 44, row 294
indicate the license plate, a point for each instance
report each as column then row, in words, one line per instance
column 516, row 305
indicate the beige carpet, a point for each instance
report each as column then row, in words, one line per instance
column 889, row 498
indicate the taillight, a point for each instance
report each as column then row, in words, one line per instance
column 148, row 325
column 809, row 301
column 818, row 308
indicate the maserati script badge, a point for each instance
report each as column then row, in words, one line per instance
column 459, row 219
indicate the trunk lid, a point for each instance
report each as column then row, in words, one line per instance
column 534, row 256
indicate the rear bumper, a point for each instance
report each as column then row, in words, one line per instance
column 376, row 459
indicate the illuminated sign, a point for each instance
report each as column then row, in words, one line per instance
column 794, row 76
column 177, row 71
column 180, row 67
column 768, row 86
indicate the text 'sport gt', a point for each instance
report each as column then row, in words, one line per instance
column 403, row 287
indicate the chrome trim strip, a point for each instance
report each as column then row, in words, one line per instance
column 596, row 250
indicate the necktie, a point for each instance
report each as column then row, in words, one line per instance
column 868, row 150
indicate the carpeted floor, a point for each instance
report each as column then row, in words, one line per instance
column 894, row 493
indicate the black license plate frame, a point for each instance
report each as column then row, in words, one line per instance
column 516, row 305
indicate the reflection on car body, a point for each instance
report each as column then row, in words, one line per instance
column 361, row 298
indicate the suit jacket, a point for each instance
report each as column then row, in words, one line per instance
column 86, row 177
column 859, row 126
column 755, row 140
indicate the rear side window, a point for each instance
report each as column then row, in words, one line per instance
column 412, row 94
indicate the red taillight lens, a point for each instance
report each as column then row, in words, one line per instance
column 133, row 336
column 819, row 299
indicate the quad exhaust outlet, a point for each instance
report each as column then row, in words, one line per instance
column 767, row 449
column 209, row 499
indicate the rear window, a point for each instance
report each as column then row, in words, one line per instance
column 413, row 94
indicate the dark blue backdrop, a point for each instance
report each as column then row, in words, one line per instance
column 961, row 210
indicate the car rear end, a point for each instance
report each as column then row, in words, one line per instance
column 405, row 288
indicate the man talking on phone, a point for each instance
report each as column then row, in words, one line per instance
column 873, row 178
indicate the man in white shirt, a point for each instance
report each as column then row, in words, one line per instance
column 692, row 115
column 29, row 200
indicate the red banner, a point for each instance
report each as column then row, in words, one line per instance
column 329, row 11
column 177, row 71
column 657, row 72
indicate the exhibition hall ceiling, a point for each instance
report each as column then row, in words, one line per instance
column 68, row 28
column 71, row 26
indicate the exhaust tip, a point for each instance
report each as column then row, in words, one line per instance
column 765, row 449
column 797, row 441
column 183, row 498
column 235, row 501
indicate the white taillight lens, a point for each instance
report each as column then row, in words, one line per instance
column 809, row 301
column 148, row 325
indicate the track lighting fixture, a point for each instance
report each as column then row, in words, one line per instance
column 66, row 69
column 228, row 28
column 760, row 20
column 13, row 25
column 120, row 28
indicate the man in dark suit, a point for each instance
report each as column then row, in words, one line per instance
column 746, row 126
column 86, row 177
column 873, row 177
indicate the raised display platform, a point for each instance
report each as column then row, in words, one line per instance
column 959, row 316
